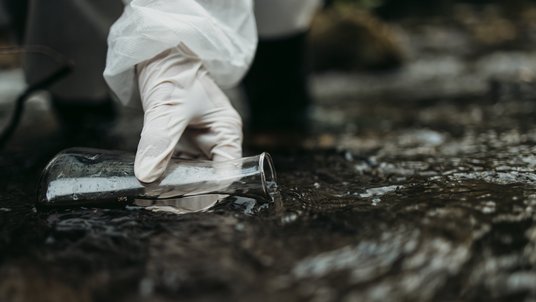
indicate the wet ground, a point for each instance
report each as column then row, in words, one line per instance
column 416, row 185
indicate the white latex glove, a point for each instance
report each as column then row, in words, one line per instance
column 184, row 110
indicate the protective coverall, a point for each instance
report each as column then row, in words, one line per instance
column 172, row 55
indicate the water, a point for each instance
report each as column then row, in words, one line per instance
column 429, row 199
column 455, row 221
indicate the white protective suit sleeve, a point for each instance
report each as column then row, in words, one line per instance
column 221, row 33
column 280, row 18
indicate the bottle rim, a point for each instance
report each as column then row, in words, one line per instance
column 268, row 174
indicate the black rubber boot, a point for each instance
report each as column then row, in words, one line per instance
column 17, row 11
column 276, row 86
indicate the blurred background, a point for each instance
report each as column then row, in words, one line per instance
column 371, row 50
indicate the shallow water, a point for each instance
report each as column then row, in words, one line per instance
column 414, row 218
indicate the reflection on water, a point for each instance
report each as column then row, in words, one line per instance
column 178, row 206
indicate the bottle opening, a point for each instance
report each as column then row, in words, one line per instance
column 269, row 177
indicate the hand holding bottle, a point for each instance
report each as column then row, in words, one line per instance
column 185, row 111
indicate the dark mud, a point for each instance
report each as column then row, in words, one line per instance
column 426, row 197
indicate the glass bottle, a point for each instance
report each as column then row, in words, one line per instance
column 89, row 177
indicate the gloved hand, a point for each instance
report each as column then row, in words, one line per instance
column 185, row 111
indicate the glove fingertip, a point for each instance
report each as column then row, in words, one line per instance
column 149, row 169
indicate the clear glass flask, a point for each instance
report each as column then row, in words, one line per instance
column 89, row 177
